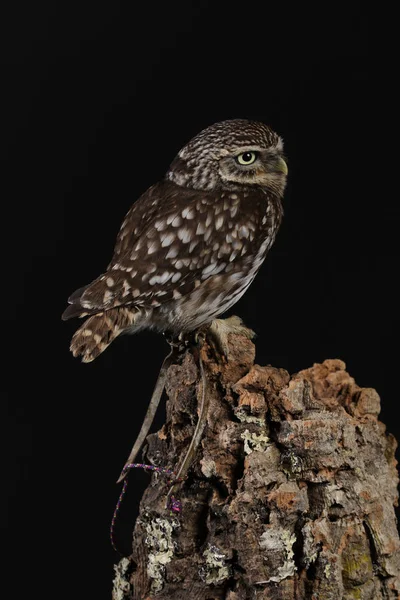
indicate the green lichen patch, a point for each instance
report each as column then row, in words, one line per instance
column 255, row 442
column 244, row 416
column 121, row 585
column 215, row 571
column 160, row 549
column 280, row 542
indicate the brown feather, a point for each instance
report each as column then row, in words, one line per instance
column 97, row 332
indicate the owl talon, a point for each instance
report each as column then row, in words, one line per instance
column 220, row 329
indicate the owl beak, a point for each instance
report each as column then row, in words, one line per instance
column 281, row 166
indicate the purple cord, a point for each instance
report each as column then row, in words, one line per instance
column 174, row 504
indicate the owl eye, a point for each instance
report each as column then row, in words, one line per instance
column 247, row 158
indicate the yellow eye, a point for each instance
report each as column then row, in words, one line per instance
column 247, row 158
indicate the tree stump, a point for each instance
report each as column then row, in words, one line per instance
column 291, row 494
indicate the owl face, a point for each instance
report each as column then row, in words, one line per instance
column 232, row 155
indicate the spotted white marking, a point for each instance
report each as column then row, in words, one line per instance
column 133, row 273
column 176, row 295
column 167, row 239
column 184, row 234
column 134, row 255
column 227, row 205
column 110, row 281
column 97, row 338
column 207, row 234
column 233, row 211
column 200, row 228
column 176, row 221
column 160, row 225
column 126, row 287
column 219, row 222
column 107, row 296
column 172, row 252
column 193, row 245
column 152, row 246
column 264, row 220
column 87, row 332
column 212, row 268
column 135, row 293
column 209, row 220
column 188, row 213
column 243, row 232
column 234, row 196
column 163, row 278
column 237, row 276
column 176, row 277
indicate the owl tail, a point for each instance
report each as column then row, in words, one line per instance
column 97, row 332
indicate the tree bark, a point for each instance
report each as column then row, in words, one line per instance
column 291, row 494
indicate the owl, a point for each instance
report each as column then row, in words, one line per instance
column 191, row 245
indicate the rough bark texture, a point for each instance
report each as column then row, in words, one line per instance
column 291, row 494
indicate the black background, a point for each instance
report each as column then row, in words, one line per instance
column 98, row 98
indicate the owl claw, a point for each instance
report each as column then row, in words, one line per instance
column 220, row 329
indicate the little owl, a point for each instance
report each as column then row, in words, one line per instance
column 189, row 248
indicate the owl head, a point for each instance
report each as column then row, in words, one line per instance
column 232, row 155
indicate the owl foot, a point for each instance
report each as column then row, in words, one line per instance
column 219, row 330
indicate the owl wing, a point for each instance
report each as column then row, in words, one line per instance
column 164, row 249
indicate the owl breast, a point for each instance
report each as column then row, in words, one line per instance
column 231, row 272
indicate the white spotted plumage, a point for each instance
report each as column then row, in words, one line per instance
column 192, row 244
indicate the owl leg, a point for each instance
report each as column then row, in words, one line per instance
column 220, row 329
column 203, row 403
column 151, row 410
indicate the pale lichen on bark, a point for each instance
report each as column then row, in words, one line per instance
column 291, row 495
